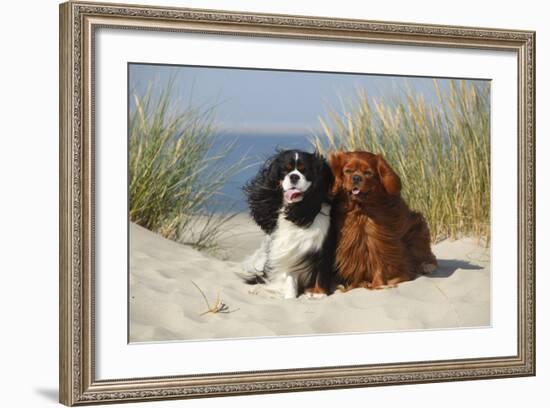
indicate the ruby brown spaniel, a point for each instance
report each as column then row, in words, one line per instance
column 380, row 242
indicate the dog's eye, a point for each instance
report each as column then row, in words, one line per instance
column 369, row 174
column 348, row 171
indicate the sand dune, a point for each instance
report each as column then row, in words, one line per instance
column 165, row 305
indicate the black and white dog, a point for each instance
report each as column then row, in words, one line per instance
column 289, row 200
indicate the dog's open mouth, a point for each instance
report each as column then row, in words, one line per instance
column 293, row 195
column 356, row 194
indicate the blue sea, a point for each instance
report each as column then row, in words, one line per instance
column 255, row 149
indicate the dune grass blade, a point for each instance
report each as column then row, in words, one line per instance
column 174, row 173
column 441, row 151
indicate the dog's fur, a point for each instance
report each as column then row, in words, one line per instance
column 289, row 200
column 380, row 241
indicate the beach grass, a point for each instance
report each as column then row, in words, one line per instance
column 174, row 172
column 440, row 149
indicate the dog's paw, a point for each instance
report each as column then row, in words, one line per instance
column 315, row 295
column 427, row 268
column 267, row 292
column 343, row 288
column 379, row 285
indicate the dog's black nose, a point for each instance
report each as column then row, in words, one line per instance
column 356, row 179
column 294, row 178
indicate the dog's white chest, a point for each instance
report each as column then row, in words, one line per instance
column 283, row 254
column 290, row 243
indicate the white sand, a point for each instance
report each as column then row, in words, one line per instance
column 165, row 305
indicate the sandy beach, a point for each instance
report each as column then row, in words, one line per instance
column 165, row 305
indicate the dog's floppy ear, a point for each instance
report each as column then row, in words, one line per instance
column 264, row 194
column 271, row 171
column 336, row 161
column 325, row 170
column 389, row 179
column 328, row 176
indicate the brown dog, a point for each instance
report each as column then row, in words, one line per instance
column 380, row 242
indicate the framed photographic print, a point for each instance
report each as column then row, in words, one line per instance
column 256, row 203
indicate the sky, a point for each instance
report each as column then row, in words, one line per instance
column 269, row 101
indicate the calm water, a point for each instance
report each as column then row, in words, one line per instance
column 255, row 149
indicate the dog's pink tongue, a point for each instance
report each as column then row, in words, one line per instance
column 290, row 195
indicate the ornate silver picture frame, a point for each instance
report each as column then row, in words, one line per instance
column 79, row 23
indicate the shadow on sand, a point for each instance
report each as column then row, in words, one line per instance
column 446, row 267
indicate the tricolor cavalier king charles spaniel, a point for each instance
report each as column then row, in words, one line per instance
column 380, row 241
column 289, row 200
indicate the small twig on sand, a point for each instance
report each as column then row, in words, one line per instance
column 218, row 307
